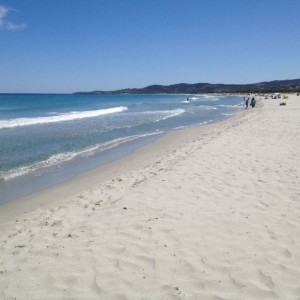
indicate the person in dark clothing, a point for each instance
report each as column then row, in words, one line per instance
column 253, row 103
column 247, row 102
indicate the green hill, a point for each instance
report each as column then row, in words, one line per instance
column 283, row 86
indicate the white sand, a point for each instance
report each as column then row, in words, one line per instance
column 207, row 213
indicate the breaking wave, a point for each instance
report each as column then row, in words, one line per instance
column 232, row 106
column 211, row 97
column 73, row 115
column 60, row 158
column 160, row 115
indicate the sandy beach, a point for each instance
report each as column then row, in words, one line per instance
column 211, row 212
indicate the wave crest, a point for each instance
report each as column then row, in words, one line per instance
column 63, row 157
column 73, row 115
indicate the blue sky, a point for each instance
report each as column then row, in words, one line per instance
column 75, row 45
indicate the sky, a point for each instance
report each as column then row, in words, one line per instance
column 63, row 46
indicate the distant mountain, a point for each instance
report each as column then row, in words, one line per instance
column 283, row 86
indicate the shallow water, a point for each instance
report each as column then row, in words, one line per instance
column 45, row 139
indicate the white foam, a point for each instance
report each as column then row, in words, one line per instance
column 173, row 113
column 180, row 127
column 57, row 159
column 205, row 122
column 207, row 107
column 227, row 114
column 211, row 97
column 162, row 114
column 187, row 126
column 232, row 106
column 73, row 115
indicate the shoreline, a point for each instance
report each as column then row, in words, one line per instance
column 202, row 213
column 139, row 158
column 40, row 173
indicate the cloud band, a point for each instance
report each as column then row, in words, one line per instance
column 4, row 24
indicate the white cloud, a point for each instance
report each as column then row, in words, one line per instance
column 3, row 12
column 13, row 26
column 7, row 24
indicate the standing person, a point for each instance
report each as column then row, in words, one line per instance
column 253, row 102
column 247, row 103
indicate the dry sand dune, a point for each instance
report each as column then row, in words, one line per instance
column 211, row 213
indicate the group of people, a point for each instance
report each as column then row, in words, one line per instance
column 252, row 102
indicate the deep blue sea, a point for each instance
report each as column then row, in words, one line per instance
column 46, row 138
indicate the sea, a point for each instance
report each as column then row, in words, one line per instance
column 46, row 139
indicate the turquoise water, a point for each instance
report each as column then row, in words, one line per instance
column 40, row 134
